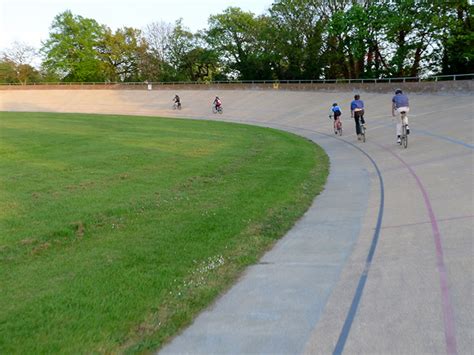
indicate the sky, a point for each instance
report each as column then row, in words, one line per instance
column 28, row 21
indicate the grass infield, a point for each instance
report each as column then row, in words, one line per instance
column 117, row 230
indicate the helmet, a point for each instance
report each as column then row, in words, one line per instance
column 398, row 91
column 217, row 97
column 334, row 104
column 356, row 96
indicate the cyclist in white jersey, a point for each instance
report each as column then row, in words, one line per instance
column 400, row 104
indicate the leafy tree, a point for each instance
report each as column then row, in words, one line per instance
column 237, row 37
column 189, row 57
column 122, row 52
column 8, row 74
column 181, row 42
column 72, row 48
column 201, row 64
column 411, row 35
column 297, row 28
column 458, row 41
column 354, row 41
column 16, row 65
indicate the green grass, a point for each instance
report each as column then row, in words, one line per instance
column 117, row 230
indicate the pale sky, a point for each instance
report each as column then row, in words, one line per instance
column 28, row 21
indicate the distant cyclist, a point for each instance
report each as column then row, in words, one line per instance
column 336, row 114
column 177, row 101
column 217, row 102
column 400, row 104
column 357, row 112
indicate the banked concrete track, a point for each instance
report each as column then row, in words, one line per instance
column 382, row 263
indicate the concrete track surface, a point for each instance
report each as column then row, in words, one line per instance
column 382, row 263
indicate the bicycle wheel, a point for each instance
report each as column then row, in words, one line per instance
column 404, row 137
column 363, row 134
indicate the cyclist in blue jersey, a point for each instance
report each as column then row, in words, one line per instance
column 357, row 112
column 400, row 104
column 336, row 113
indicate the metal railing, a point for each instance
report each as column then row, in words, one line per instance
column 307, row 81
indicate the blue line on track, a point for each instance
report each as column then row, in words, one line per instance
column 341, row 341
column 449, row 139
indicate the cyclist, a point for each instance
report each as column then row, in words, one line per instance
column 357, row 112
column 400, row 104
column 217, row 102
column 336, row 113
column 177, row 101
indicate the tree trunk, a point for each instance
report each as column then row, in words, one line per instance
column 416, row 64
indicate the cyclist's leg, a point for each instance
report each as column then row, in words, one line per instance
column 405, row 119
column 405, row 122
column 398, row 118
column 362, row 120
column 357, row 123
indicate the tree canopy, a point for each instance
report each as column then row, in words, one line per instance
column 294, row 39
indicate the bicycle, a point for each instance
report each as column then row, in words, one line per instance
column 404, row 135
column 338, row 126
column 362, row 131
column 177, row 106
column 217, row 109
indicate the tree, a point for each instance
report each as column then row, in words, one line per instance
column 412, row 35
column 237, row 37
column 181, row 42
column 72, row 48
column 297, row 31
column 155, row 63
column 122, row 53
column 16, row 65
column 458, row 41
column 200, row 64
column 158, row 36
column 354, row 41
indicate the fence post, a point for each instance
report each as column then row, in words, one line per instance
column 454, row 77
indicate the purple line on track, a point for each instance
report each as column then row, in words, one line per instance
column 426, row 222
column 448, row 313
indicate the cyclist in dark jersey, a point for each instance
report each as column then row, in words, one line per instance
column 177, row 101
column 357, row 112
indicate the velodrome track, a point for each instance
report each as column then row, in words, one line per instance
column 382, row 263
